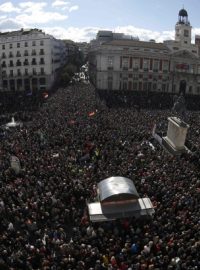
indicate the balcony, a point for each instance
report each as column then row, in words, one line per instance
column 3, row 56
column 10, row 55
column 165, row 71
column 33, row 63
column 155, row 70
column 11, row 75
column 25, row 54
column 26, row 63
column 145, row 69
column 11, row 65
column 125, row 68
column 19, row 74
column 135, row 69
column 34, row 73
column 18, row 64
column 3, row 65
column 110, row 68
column 41, row 53
column 41, row 62
column 33, row 53
column 18, row 55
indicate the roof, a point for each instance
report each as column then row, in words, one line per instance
column 117, row 188
column 183, row 13
column 137, row 43
column 142, row 207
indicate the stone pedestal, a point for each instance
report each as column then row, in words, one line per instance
column 174, row 142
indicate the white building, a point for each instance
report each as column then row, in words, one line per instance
column 30, row 60
column 133, row 65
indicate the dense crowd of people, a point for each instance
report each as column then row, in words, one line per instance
column 65, row 148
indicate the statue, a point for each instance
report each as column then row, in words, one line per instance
column 179, row 107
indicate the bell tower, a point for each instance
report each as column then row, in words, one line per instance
column 183, row 28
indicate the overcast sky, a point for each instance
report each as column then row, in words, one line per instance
column 80, row 20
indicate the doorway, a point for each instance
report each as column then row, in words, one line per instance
column 182, row 88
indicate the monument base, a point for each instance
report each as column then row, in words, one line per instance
column 171, row 149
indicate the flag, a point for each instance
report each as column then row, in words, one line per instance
column 91, row 114
column 45, row 95
column 15, row 164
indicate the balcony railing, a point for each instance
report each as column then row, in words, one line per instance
column 125, row 68
column 26, row 63
column 10, row 55
column 18, row 64
column 41, row 62
column 18, row 55
column 33, row 63
column 110, row 68
column 3, row 65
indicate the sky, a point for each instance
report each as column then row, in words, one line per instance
column 80, row 20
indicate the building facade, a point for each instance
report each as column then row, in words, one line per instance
column 30, row 60
column 132, row 65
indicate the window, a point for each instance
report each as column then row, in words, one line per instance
column 26, row 44
column 11, row 73
column 18, row 54
column 135, row 63
column 42, row 70
column 165, row 66
column 18, row 45
column 145, row 64
column 125, row 63
column 186, row 33
column 110, row 62
column 33, row 43
column 34, row 61
column 18, row 72
column 41, row 51
column 26, row 71
column 198, row 89
column 10, row 46
column 190, row 89
column 18, row 63
column 34, row 71
column 198, row 69
column 3, row 47
column 175, row 48
column 155, row 65
column 3, row 55
column 41, row 42
column 11, row 63
column 25, row 53
column 41, row 61
column 33, row 52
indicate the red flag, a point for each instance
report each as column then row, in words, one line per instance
column 91, row 114
column 45, row 95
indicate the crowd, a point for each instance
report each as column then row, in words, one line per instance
column 65, row 148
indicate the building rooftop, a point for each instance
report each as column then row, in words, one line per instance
column 137, row 43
